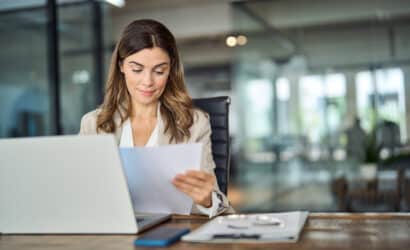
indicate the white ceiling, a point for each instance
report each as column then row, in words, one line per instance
column 296, row 13
column 206, row 18
column 185, row 18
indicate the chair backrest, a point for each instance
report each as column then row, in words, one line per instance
column 218, row 110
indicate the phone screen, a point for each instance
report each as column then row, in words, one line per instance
column 162, row 236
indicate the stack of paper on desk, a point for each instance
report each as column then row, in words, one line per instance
column 272, row 227
column 150, row 171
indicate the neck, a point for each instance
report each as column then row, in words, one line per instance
column 144, row 110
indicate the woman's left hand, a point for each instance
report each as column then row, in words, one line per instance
column 196, row 184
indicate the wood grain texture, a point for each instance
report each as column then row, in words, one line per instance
column 322, row 231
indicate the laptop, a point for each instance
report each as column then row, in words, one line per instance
column 66, row 185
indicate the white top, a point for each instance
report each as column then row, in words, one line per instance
column 127, row 138
column 126, row 134
column 127, row 141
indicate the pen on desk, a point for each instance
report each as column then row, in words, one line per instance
column 236, row 236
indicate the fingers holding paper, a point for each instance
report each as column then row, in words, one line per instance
column 196, row 184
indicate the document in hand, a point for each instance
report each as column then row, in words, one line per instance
column 149, row 172
column 271, row 227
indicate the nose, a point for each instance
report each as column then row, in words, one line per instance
column 147, row 80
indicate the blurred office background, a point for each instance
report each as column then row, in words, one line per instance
column 320, row 112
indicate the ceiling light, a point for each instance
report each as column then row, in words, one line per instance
column 242, row 40
column 231, row 41
column 116, row 3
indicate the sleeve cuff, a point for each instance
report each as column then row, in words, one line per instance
column 214, row 209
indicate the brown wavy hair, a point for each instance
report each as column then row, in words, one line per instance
column 176, row 104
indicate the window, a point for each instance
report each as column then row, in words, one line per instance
column 380, row 96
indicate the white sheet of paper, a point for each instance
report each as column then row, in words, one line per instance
column 150, row 171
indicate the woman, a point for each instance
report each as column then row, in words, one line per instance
column 146, row 104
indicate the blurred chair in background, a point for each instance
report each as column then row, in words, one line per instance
column 401, row 163
column 405, row 190
column 28, row 123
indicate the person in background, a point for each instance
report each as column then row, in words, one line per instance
column 356, row 141
column 146, row 103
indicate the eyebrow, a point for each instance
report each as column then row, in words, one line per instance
column 156, row 66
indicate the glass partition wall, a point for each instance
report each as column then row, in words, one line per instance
column 25, row 84
column 85, row 39
column 322, row 106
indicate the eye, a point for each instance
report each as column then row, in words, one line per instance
column 137, row 70
column 159, row 72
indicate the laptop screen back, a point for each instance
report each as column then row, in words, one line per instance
column 63, row 184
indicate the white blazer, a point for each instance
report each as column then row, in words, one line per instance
column 200, row 133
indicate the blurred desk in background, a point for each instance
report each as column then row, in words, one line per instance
column 322, row 231
column 373, row 189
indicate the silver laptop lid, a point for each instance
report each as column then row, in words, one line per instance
column 63, row 184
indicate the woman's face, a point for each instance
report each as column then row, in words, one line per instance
column 146, row 73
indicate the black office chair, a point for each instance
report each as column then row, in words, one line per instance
column 218, row 110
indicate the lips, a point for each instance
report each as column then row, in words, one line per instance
column 147, row 92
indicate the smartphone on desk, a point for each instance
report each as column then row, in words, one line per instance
column 161, row 237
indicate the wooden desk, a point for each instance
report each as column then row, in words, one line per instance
column 322, row 231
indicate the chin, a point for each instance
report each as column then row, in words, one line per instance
column 147, row 99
